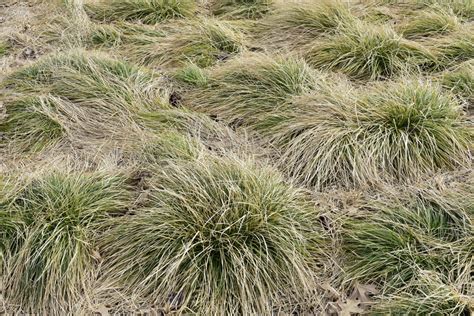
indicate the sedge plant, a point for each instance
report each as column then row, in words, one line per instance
column 365, row 51
column 90, row 79
column 254, row 84
column 460, row 80
column 31, row 123
column 416, row 245
column 453, row 48
column 399, row 131
column 296, row 24
column 429, row 23
column 243, row 9
column 145, row 11
column 54, row 261
column 217, row 236
column 203, row 42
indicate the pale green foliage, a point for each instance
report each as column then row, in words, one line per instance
column 252, row 85
column 91, row 79
column 417, row 245
column 52, row 261
column 462, row 8
column 365, row 51
column 399, row 130
column 455, row 47
column 9, row 223
column 299, row 23
column 171, row 145
column 247, row 9
column 217, row 237
column 429, row 23
column 123, row 33
column 203, row 42
column 460, row 80
column 4, row 48
column 426, row 295
column 170, row 124
column 31, row 123
column 192, row 75
column 146, row 11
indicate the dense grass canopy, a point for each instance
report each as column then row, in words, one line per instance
column 248, row 87
column 31, row 123
column 430, row 23
column 236, row 157
column 50, row 263
column 460, row 80
column 401, row 130
column 365, row 51
column 204, row 42
column 146, row 11
column 90, row 79
column 419, row 246
column 217, row 237
column 247, row 9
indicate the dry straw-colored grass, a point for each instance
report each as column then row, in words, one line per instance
column 199, row 157
column 216, row 237
column 51, row 253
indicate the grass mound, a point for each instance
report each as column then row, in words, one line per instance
column 192, row 75
column 52, row 266
column 424, row 296
column 145, row 11
column 462, row 8
column 91, row 79
column 430, row 23
column 246, row 9
column 460, row 80
column 399, row 130
column 455, row 47
column 418, row 248
column 297, row 24
column 365, row 51
column 203, row 42
column 31, row 123
column 252, row 85
column 218, row 237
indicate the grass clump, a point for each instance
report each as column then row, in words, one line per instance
column 391, row 244
column 91, row 79
column 365, row 51
column 417, row 247
column 298, row 24
column 246, row 88
column 401, row 130
column 202, row 42
column 460, row 80
column 462, row 8
column 192, row 75
column 430, row 23
column 241, row 9
column 145, row 11
column 31, row 123
column 454, row 48
column 171, row 145
column 53, row 265
column 105, row 36
column 427, row 295
column 218, row 237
